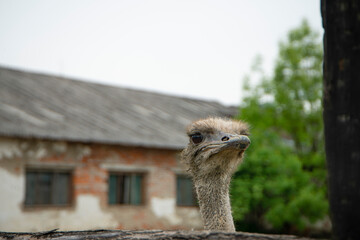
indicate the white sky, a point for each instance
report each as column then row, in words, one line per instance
column 194, row 48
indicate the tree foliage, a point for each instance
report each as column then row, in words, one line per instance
column 281, row 186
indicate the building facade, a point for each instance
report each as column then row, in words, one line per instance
column 57, row 184
column 76, row 155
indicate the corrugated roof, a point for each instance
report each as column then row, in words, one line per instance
column 50, row 107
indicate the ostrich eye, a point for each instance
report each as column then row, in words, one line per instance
column 196, row 138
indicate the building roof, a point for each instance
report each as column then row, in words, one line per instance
column 49, row 107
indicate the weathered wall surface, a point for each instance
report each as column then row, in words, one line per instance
column 90, row 165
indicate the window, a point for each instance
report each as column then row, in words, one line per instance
column 47, row 188
column 125, row 188
column 185, row 193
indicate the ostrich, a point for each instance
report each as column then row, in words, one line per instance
column 215, row 149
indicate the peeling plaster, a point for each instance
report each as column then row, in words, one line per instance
column 88, row 214
column 165, row 207
column 40, row 153
column 12, row 193
column 9, row 149
column 59, row 147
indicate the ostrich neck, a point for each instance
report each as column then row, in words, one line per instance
column 214, row 202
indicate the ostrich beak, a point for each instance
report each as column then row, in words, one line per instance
column 240, row 142
column 244, row 141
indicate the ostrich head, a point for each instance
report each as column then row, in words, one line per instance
column 216, row 148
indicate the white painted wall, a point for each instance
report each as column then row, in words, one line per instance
column 12, row 194
column 165, row 208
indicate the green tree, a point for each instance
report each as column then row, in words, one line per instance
column 282, row 184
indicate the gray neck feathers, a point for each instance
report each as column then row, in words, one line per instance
column 214, row 201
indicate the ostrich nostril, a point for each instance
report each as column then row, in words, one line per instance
column 226, row 138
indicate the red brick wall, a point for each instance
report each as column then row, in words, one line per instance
column 91, row 178
column 91, row 164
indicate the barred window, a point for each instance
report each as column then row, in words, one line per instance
column 48, row 187
column 185, row 193
column 125, row 188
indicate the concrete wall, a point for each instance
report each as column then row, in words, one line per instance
column 90, row 165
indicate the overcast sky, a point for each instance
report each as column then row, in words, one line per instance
column 193, row 48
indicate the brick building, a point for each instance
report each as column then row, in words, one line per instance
column 77, row 155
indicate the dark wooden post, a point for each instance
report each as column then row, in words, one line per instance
column 341, row 22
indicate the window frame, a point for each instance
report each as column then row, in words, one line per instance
column 53, row 172
column 195, row 199
column 142, row 188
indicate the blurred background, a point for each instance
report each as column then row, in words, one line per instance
column 173, row 47
column 95, row 97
